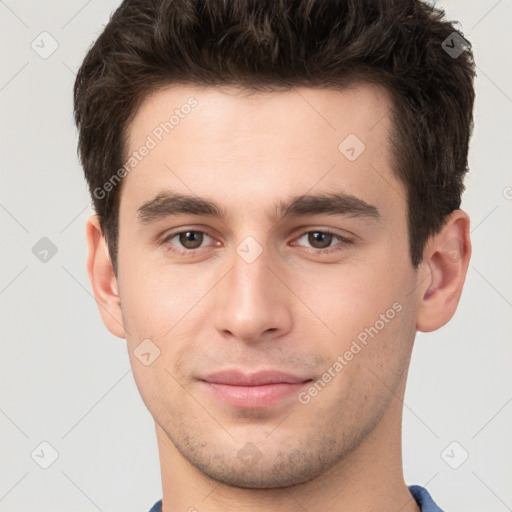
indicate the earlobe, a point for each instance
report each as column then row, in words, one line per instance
column 103, row 279
column 444, row 268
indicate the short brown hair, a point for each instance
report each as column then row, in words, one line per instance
column 404, row 45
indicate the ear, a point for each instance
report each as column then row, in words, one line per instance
column 103, row 279
column 443, row 272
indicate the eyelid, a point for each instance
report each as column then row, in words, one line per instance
column 183, row 229
column 342, row 233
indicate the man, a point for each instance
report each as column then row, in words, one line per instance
column 277, row 189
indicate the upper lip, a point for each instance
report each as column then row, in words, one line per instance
column 238, row 378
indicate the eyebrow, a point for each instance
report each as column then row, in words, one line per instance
column 169, row 203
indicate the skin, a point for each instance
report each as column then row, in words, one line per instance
column 294, row 308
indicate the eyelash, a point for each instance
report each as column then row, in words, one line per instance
column 342, row 240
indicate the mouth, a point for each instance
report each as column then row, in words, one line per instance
column 252, row 391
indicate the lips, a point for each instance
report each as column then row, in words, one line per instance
column 252, row 391
column 262, row 378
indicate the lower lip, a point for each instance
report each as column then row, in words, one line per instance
column 254, row 397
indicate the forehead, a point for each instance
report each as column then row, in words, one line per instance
column 207, row 140
column 301, row 111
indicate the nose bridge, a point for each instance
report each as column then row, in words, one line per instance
column 250, row 274
column 251, row 300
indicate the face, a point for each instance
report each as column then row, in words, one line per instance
column 260, row 277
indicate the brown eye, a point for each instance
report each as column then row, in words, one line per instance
column 186, row 241
column 191, row 239
column 319, row 239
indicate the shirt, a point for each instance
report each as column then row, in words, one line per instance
column 420, row 494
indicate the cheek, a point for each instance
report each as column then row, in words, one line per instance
column 371, row 321
column 160, row 313
column 156, row 297
column 350, row 298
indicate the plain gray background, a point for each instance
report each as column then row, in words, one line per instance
column 66, row 382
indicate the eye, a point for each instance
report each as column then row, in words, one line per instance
column 189, row 240
column 322, row 239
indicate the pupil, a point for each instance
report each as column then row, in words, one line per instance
column 316, row 237
column 193, row 238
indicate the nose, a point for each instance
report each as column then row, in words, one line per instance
column 253, row 302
